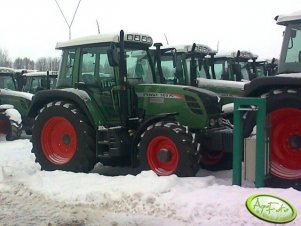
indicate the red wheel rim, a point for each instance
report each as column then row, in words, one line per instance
column 209, row 159
column 162, row 168
column 59, row 140
column 286, row 154
column 3, row 126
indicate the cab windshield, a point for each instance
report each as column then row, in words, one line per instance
column 138, row 66
column 7, row 82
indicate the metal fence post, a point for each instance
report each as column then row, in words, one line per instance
column 240, row 106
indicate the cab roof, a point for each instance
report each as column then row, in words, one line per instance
column 104, row 38
column 284, row 19
column 7, row 70
column 40, row 73
column 187, row 48
column 243, row 54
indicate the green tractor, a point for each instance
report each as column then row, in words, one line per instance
column 108, row 107
column 14, row 106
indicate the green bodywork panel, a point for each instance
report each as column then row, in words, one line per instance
column 227, row 92
column 95, row 106
column 156, row 99
column 19, row 100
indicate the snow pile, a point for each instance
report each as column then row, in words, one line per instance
column 13, row 115
column 145, row 199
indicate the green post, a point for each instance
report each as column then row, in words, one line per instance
column 260, row 143
column 242, row 105
column 237, row 144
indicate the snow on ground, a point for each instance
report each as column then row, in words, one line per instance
column 29, row 196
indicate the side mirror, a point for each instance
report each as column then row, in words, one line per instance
column 179, row 70
column 174, row 59
column 200, row 63
column 299, row 56
column 293, row 33
column 113, row 56
column 236, row 68
column 237, row 71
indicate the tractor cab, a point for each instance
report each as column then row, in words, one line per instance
column 272, row 66
column 233, row 66
column 37, row 81
column 181, row 64
column 7, row 79
column 290, row 57
column 261, row 67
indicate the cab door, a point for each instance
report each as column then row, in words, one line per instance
column 99, row 81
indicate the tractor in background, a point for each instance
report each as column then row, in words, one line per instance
column 14, row 106
column 37, row 81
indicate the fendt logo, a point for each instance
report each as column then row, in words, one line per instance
column 160, row 95
column 271, row 208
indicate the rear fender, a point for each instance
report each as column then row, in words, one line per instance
column 78, row 97
column 261, row 85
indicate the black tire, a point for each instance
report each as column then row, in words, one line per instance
column 11, row 129
column 71, row 147
column 287, row 105
column 179, row 150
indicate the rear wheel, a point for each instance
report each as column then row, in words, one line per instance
column 215, row 161
column 284, row 115
column 63, row 139
column 167, row 148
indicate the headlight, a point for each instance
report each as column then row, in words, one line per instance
column 130, row 37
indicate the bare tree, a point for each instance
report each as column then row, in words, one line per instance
column 47, row 64
column 41, row 64
column 18, row 63
column 28, row 63
column 24, row 63
column 5, row 61
column 55, row 64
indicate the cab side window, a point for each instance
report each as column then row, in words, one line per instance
column 66, row 68
column 95, row 68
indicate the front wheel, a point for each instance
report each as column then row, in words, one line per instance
column 63, row 139
column 11, row 129
column 167, row 148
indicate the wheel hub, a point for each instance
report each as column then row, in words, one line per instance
column 58, row 140
column 164, row 155
column 295, row 142
column 66, row 139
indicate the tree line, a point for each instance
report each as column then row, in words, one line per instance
column 41, row 64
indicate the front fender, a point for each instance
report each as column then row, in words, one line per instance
column 262, row 85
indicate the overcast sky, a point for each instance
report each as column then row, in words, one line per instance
column 31, row 28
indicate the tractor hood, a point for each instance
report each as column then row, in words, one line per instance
column 197, row 105
column 8, row 92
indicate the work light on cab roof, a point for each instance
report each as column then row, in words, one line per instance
column 198, row 48
column 244, row 54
